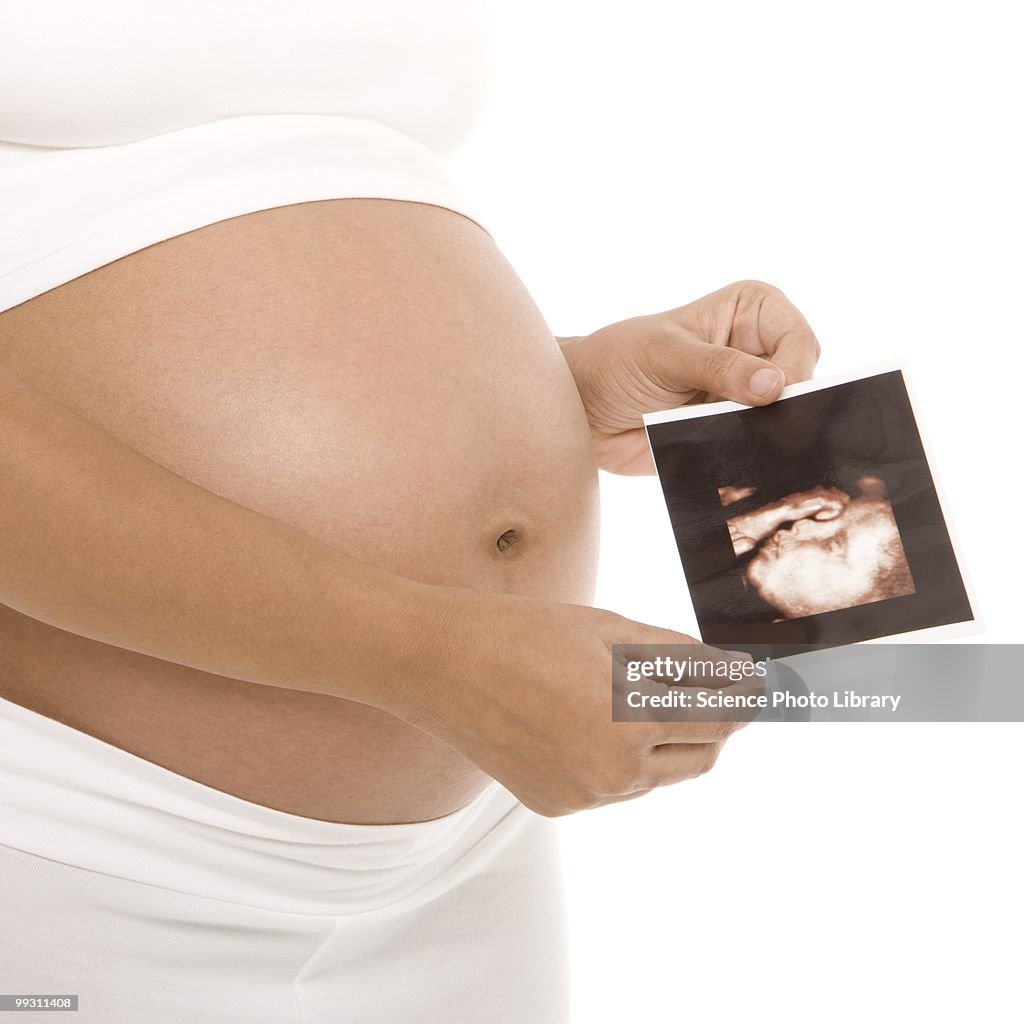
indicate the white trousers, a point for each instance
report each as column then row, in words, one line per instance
column 157, row 899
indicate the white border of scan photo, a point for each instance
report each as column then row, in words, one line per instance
column 930, row 634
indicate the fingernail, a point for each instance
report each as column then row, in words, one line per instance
column 764, row 381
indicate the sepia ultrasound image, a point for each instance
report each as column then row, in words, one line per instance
column 814, row 520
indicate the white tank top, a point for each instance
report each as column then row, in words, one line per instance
column 125, row 122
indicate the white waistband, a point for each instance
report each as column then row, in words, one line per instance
column 65, row 212
column 70, row 797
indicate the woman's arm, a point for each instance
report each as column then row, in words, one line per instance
column 98, row 540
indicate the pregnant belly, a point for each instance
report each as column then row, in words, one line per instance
column 369, row 371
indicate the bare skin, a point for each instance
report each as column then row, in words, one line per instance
column 331, row 365
column 372, row 378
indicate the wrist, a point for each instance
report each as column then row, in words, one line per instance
column 409, row 646
column 462, row 649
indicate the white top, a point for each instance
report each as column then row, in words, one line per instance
column 124, row 123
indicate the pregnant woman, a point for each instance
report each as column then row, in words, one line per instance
column 298, row 525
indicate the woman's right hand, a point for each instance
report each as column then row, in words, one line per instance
column 523, row 688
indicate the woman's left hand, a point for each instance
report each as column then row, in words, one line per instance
column 744, row 342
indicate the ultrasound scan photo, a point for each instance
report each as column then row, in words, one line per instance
column 814, row 520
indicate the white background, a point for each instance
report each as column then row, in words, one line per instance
column 865, row 159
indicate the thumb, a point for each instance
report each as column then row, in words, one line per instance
column 682, row 364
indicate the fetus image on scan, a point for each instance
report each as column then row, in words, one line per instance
column 822, row 549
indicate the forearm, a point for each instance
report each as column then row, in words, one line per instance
column 98, row 540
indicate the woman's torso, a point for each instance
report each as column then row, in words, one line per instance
column 370, row 371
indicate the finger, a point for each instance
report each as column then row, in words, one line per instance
column 677, row 762
column 716, row 711
column 713, row 723
column 808, row 507
column 690, row 692
column 829, row 511
column 787, row 339
column 628, row 796
column 682, row 363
